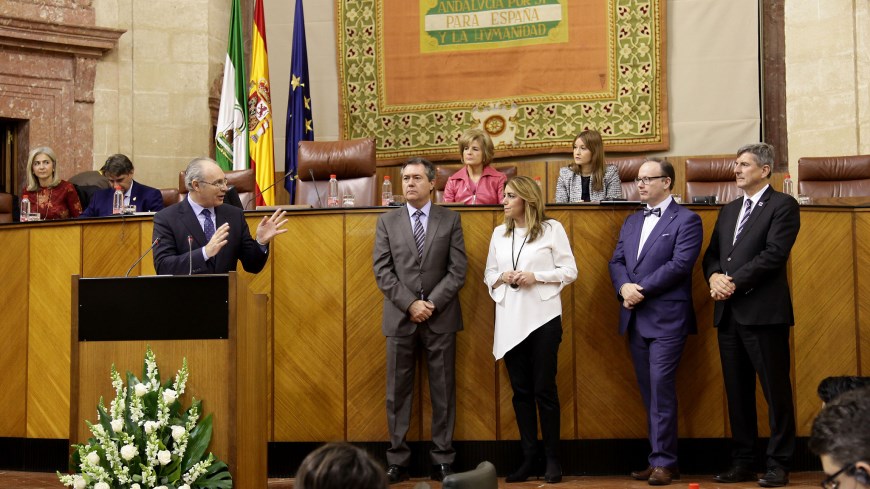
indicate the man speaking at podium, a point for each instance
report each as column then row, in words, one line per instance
column 200, row 235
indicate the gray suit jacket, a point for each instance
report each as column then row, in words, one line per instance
column 400, row 273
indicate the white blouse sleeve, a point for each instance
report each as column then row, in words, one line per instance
column 491, row 274
column 564, row 266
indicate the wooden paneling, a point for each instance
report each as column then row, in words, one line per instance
column 146, row 266
column 309, row 400
column 823, row 295
column 54, row 257
column 111, row 248
column 862, row 298
column 14, row 261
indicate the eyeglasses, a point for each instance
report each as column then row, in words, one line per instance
column 218, row 183
column 831, row 481
column 647, row 180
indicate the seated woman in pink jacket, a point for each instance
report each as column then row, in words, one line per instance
column 477, row 182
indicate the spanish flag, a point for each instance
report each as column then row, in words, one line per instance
column 260, row 112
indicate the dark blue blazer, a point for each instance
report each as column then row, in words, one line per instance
column 663, row 269
column 145, row 198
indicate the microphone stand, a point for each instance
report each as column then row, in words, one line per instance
column 156, row 240
column 260, row 193
column 189, row 254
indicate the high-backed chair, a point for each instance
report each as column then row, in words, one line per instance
column 443, row 173
column 244, row 181
column 353, row 162
column 7, row 206
column 711, row 176
column 834, row 176
column 170, row 196
column 483, row 477
column 628, row 169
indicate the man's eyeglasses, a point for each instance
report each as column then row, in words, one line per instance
column 218, row 183
column 831, row 481
column 647, row 180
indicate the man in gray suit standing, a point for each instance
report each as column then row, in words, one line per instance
column 419, row 264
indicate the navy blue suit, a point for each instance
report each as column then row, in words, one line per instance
column 145, row 198
column 659, row 324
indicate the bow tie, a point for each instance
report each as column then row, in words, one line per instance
column 656, row 211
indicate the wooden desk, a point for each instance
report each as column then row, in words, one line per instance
column 326, row 351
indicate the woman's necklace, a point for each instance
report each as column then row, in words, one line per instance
column 516, row 261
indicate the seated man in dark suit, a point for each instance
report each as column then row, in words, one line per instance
column 119, row 171
column 200, row 235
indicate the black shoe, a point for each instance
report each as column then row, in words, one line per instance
column 523, row 473
column 397, row 473
column 440, row 471
column 736, row 473
column 553, row 474
column 774, row 477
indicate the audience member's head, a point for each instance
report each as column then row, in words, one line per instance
column 340, row 466
column 118, row 169
column 832, row 387
column 42, row 169
column 479, row 138
column 841, row 437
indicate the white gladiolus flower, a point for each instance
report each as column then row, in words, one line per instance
column 141, row 390
column 177, row 433
column 128, row 452
column 117, row 425
column 101, row 485
column 164, row 457
column 169, row 396
column 93, row 458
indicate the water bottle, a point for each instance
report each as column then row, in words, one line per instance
column 387, row 192
column 332, row 198
column 25, row 209
column 118, row 201
column 788, row 185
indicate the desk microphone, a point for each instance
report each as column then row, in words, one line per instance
column 313, row 182
column 156, row 240
column 189, row 254
column 259, row 193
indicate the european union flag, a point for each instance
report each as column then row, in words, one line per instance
column 300, row 123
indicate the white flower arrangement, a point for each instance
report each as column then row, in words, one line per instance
column 146, row 440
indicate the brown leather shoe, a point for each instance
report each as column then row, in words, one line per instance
column 642, row 475
column 662, row 476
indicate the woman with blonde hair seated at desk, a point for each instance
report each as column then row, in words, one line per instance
column 529, row 263
column 598, row 181
column 477, row 182
column 50, row 196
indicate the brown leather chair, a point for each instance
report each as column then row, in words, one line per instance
column 244, row 182
column 711, row 176
column 834, row 176
column 7, row 206
column 443, row 173
column 170, row 196
column 353, row 162
column 628, row 168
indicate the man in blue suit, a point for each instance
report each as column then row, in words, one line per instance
column 119, row 171
column 651, row 270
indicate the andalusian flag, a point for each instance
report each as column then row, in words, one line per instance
column 260, row 112
column 231, row 139
column 300, row 122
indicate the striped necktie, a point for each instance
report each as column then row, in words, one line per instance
column 747, row 209
column 419, row 233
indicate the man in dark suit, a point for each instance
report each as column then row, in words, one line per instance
column 651, row 270
column 200, row 235
column 118, row 170
column 419, row 264
column 746, row 267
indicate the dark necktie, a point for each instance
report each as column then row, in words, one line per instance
column 656, row 211
column 747, row 209
column 208, row 226
column 419, row 233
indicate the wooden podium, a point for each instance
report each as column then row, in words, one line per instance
column 212, row 320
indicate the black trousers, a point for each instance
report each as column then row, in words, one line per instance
column 531, row 366
column 747, row 351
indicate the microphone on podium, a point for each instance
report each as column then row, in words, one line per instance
column 189, row 254
column 314, row 182
column 156, row 240
column 259, row 193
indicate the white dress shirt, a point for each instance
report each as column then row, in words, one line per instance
column 755, row 198
column 650, row 221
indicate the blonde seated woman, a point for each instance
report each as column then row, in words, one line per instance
column 52, row 197
column 588, row 178
column 477, row 182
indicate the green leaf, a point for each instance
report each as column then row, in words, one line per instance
column 198, row 442
column 217, row 476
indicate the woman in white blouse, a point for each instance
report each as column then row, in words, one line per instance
column 529, row 263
